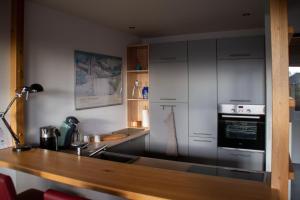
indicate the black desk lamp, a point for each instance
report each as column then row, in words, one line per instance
column 34, row 88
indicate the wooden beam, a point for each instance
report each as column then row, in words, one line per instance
column 280, row 100
column 16, row 70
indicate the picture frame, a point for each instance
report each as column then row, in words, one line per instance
column 98, row 80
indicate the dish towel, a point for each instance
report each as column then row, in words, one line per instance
column 172, row 143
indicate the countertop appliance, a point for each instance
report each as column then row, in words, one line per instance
column 241, row 126
column 48, row 138
column 69, row 133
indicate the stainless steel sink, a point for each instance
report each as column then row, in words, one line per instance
column 116, row 157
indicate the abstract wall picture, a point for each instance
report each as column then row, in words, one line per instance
column 98, row 80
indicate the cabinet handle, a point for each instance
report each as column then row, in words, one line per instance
column 240, row 55
column 169, row 99
column 167, row 58
column 202, row 133
column 202, row 140
column 240, row 155
column 240, row 100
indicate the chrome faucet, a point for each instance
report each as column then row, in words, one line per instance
column 98, row 150
column 81, row 147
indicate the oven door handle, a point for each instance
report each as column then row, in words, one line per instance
column 241, row 116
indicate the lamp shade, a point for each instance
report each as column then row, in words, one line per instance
column 34, row 88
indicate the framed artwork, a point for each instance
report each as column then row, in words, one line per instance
column 98, row 80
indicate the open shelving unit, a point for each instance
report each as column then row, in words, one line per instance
column 137, row 55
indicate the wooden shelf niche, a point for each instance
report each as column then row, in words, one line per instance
column 137, row 54
column 137, row 69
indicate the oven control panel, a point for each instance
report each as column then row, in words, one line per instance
column 242, row 109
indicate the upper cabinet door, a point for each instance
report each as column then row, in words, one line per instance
column 241, row 81
column 168, row 52
column 241, row 48
column 168, row 82
column 202, row 88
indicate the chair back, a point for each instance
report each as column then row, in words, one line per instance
column 7, row 188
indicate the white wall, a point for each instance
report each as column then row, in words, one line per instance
column 50, row 40
column 4, row 64
column 4, row 70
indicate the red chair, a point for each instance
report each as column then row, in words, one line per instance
column 8, row 191
column 56, row 195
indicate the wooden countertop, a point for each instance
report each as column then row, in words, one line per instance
column 132, row 133
column 131, row 181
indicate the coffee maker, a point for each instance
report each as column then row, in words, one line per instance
column 49, row 138
column 69, row 132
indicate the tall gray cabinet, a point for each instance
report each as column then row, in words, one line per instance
column 241, row 80
column 168, row 89
column 203, row 100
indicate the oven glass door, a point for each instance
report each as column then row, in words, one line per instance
column 246, row 132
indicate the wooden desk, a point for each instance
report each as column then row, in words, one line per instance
column 131, row 181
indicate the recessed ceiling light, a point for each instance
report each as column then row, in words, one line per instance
column 246, row 14
column 131, row 27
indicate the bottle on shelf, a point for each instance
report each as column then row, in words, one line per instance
column 136, row 91
column 145, row 92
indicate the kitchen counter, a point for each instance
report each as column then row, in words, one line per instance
column 133, row 133
column 131, row 181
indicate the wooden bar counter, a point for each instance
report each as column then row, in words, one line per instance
column 129, row 180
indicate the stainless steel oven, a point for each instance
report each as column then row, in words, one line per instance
column 241, row 126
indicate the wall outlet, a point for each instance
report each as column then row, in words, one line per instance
column 2, row 140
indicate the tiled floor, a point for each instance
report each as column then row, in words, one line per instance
column 295, row 193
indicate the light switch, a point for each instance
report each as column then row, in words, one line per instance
column 2, row 140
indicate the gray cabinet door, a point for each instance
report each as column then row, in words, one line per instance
column 168, row 82
column 203, row 149
column 241, row 48
column 241, row 81
column 250, row 160
column 202, row 88
column 159, row 129
column 168, row 52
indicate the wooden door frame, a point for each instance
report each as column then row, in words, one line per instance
column 280, row 96
column 17, row 66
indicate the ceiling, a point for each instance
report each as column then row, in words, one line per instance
column 152, row 18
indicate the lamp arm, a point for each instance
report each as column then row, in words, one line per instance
column 16, row 138
column 2, row 116
column 10, row 104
